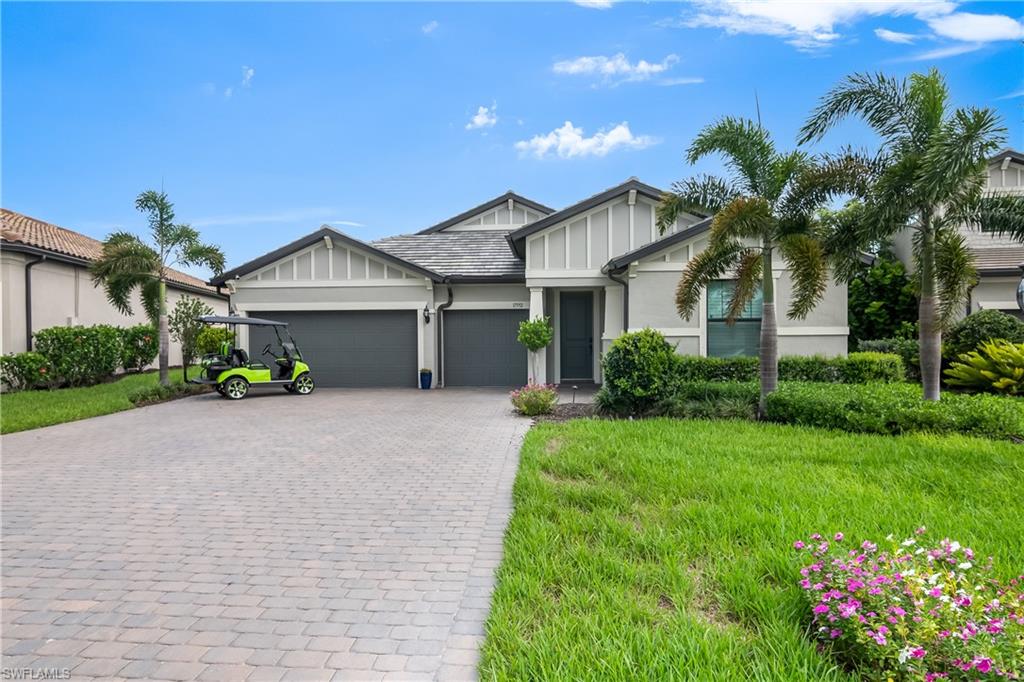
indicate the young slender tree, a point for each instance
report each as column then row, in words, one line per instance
column 764, row 215
column 929, row 177
column 128, row 264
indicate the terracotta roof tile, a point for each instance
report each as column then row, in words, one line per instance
column 17, row 228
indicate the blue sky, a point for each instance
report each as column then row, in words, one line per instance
column 263, row 121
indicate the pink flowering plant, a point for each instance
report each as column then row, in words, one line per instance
column 534, row 399
column 913, row 611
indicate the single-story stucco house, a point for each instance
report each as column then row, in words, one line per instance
column 45, row 282
column 450, row 297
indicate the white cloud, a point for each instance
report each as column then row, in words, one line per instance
column 429, row 27
column 569, row 142
column 485, row 117
column 681, row 81
column 247, row 73
column 288, row 216
column 805, row 25
column 228, row 91
column 1012, row 95
column 894, row 36
column 595, row 4
column 942, row 52
column 616, row 68
column 347, row 223
column 978, row 28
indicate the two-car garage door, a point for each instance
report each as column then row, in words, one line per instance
column 351, row 348
column 365, row 348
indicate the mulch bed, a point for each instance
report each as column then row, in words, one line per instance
column 566, row 411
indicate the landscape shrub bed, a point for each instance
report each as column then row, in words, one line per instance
column 894, row 409
column 856, row 368
column 24, row 371
column 996, row 366
column 81, row 356
column 139, row 347
column 710, row 400
column 912, row 610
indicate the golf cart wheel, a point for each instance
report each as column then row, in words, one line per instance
column 303, row 385
column 235, row 388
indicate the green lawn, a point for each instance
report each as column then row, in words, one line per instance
column 661, row 549
column 32, row 409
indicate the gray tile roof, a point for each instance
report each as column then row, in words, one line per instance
column 1007, row 259
column 483, row 254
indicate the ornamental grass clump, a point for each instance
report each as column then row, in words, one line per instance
column 534, row 399
column 913, row 611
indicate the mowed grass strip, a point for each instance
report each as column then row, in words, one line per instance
column 661, row 549
column 33, row 409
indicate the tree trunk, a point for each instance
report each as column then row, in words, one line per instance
column 929, row 331
column 165, row 340
column 768, row 348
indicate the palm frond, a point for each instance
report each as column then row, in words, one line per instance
column 845, row 239
column 849, row 172
column 928, row 96
column 746, row 146
column 203, row 254
column 124, row 256
column 878, row 99
column 703, row 194
column 742, row 218
column 954, row 164
column 180, row 237
column 955, row 274
column 808, row 270
column 748, row 279
column 706, row 266
column 783, row 169
column 119, row 288
column 999, row 214
column 159, row 213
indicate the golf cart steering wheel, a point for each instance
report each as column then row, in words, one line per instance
column 266, row 350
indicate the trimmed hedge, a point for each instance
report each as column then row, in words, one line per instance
column 711, row 400
column 894, row 409
column 856, row 368
column 906, row 348
column 81, row 356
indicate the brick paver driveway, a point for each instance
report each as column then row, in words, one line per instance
column 343, row 535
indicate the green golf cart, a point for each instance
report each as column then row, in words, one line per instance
column 233, row 372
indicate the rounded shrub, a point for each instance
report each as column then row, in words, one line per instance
column 139, row 346
column 23, row 371
column 81, row 356
column 984, row 325
column 640, row 371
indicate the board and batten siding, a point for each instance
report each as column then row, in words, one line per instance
column 587, row 241
column 336, row 262
column 508, row 216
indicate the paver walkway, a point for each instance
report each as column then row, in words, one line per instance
column 342, row 535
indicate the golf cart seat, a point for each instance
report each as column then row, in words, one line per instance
column 239, row 358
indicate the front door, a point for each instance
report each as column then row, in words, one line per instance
column 576, row 313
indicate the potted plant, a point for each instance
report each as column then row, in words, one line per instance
column 426, row 376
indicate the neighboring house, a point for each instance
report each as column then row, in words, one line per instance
column 45, row 282
column 450, row 298
column 998, row 259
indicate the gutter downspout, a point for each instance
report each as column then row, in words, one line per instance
column 440, row 331
column 625, row 299
column 28, row 299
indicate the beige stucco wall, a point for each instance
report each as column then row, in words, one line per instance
column 63, row 294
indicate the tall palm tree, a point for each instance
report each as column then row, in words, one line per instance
column 765, row 210
column 128, row 263
column 929, row 176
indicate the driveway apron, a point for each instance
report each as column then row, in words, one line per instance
column 349, row 534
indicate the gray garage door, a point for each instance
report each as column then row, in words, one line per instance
column 480, row 348
column 350, row 348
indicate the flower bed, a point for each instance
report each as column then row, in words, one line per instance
column 913, row 611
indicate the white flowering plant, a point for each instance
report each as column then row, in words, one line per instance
column 912, row 611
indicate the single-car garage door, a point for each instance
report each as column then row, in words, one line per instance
column 356, row 348
column 480, row 348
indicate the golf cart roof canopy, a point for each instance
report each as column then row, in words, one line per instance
column 254, row 321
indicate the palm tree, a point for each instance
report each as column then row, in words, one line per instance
column 128, row 263
column 763, row 211
column 929, row 176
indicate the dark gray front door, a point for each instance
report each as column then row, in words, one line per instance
column 480, row 348
column 357, row 348
column 576, row 314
